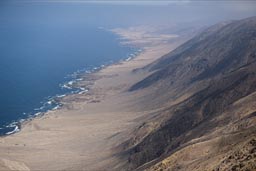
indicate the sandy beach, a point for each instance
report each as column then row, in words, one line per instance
column 83, row 134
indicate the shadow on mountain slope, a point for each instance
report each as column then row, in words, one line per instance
column 218, row 69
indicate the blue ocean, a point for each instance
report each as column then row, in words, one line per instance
column 42, row 48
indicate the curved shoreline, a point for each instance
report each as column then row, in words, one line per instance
column 55, row 102
column 83, row 133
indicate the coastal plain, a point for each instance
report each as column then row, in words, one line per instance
column 85, row 132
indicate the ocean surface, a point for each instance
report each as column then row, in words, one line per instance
column 40, row 64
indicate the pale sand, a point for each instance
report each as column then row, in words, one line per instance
column 82, row 135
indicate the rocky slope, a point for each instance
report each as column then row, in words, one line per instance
column 205, row 91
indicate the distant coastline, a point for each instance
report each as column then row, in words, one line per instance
column 71, row 86
column 85, row 130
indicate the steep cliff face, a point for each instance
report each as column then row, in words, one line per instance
column 218, row 69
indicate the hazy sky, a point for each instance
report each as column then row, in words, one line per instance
column 123, row 13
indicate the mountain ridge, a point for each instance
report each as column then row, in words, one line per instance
column 218, row 68
column 210, row 36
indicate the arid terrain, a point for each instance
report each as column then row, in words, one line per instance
column 206, row 88
column 176, row 106
column 82, row 134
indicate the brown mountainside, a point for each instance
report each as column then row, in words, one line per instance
column 207, row 120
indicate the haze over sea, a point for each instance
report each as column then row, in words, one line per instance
column 40, row 47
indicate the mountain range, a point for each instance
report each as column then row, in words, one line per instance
column 204, row 98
